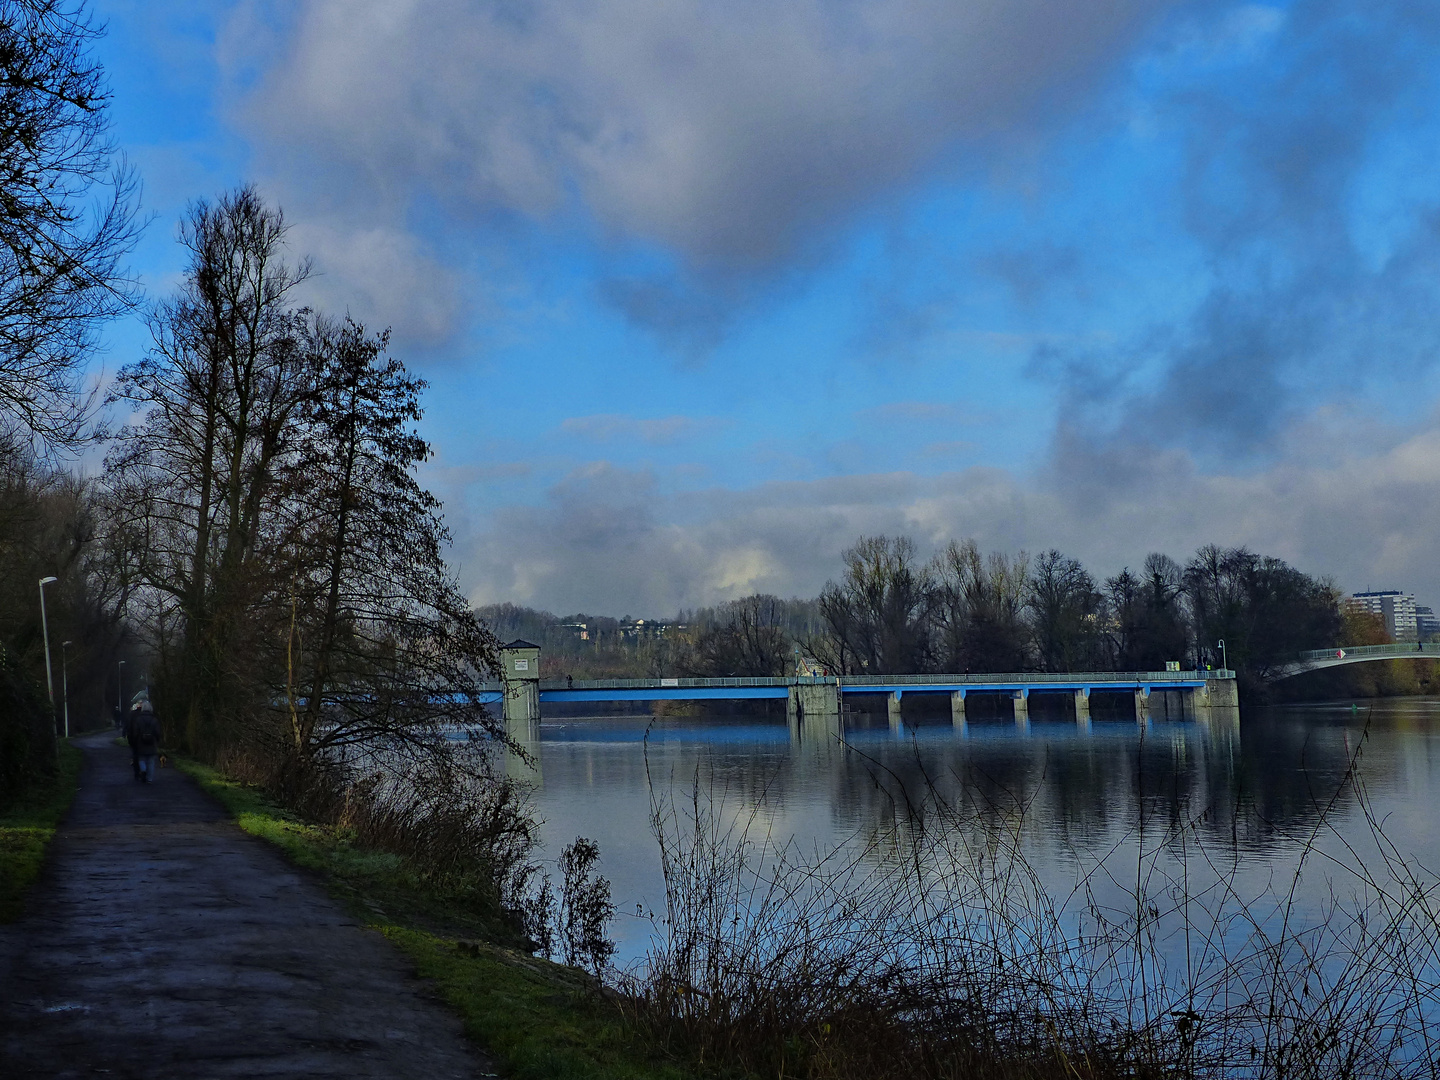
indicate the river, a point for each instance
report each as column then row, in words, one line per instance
column 1257, row 792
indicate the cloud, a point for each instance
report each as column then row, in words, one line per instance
column 922, row 412
column 731, row 133
column 1319, row 257
column 660, row 431
column 381, row 272
column 605, row 540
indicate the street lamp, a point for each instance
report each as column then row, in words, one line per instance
column 120, row 692
column 45, row 632
column 65, row 683
column 1224, row 663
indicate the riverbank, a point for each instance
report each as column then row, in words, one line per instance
column 28, row 824
column 540, row 1020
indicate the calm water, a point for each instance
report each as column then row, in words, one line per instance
column 1079, row 799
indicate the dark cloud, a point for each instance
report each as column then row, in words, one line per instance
column 732, row 133
column 1313, row 296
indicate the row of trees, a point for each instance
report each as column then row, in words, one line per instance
column 67, row 218
column 963, row 611
column 258, row 537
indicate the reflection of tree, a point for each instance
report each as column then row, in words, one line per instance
column 1072, row 793
column 1289, row 770
column 1081, row 793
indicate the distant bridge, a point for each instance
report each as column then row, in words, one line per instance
column 1319, row 659
column 818, row 698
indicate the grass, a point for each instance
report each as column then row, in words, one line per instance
column 26, row 827
column 539, row 1020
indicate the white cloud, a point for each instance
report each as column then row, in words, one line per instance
column 607, row 541
column 380, row 273
column 657, row 431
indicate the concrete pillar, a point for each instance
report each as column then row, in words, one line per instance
column 522, row 704
column 520, row 664
column 813, row 709
column 1142, row 704
column 957, row 711
column 1218, row 704
column 1082, row 708
column 892, row 707
column 522, row 760
column 1021, row 699
column 1222, row 693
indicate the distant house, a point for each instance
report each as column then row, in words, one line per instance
column 1396, row 608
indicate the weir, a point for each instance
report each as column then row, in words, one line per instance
column 816, row 705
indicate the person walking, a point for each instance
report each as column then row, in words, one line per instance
column 145, row 726
column 127, row 726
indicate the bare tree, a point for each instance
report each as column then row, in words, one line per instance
column 393, row 647
column 748, row 640
column 220, row 394
column 292, row 574
column 980, row 609
column 879, row 614
column 1065, row 614
column 67, row 216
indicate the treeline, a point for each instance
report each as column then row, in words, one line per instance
column 965, row 611
column 68, row 219
column 962, row 611
column 49, row 528
column 754, row 632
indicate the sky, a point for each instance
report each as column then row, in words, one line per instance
column 705, row 291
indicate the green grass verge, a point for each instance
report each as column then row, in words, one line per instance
column 539, row 1020
column 26, row 827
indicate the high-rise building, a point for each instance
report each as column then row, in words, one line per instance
column 1396, row 608
column 1427, row 623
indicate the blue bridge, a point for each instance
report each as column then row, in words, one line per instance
column 523, row 694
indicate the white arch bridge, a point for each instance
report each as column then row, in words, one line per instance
column 1319, row 659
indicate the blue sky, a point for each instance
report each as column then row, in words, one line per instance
column 704, row 291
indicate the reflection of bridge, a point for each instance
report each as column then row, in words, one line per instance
column 821, row 700
column 1319, row 659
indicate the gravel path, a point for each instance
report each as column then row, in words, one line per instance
column 162, row 941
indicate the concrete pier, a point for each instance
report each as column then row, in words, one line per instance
column 892, row 709
column 520, row 661
column 813, row 709
column 1142, row 704
column 1021, row 700
column 957, row 711
column 1082, row 708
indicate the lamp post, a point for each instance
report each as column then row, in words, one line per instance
column 65, row 683
column 1224, row 663
column 120, row 692
column 45, row 632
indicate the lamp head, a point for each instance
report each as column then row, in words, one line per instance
column 65, row 643
column 48, row 580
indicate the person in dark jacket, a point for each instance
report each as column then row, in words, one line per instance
column 127, row 726
column 145, row 727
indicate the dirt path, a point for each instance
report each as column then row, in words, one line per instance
column 164, row 942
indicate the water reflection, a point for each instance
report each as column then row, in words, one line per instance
column 1077, row 796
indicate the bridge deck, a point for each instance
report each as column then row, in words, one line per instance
column 564, row 690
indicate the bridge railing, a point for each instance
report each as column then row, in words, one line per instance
column 1033, row 678
column 1400, row 648
column 1036, row 678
